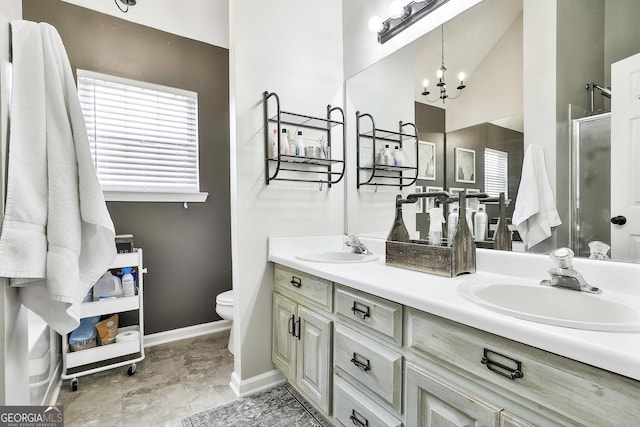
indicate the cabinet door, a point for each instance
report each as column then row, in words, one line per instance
column 434, row 403
column 283, row 344
column 314, row 357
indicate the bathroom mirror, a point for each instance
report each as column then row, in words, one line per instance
column 488, row 43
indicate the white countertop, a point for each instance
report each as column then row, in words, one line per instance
column 614, row 351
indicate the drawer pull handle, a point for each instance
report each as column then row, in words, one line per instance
column 357, row 419
column 296, row 282
column 292, row 325
column 511, row 372
column 358, row 312
column 297, row 323
column 360, row 365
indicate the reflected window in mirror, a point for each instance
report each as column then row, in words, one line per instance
column 496, row 172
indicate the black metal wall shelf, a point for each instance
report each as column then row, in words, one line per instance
column 380, row 174
column 319, row 169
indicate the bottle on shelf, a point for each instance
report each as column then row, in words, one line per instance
column 128, row 284
column 401, row 158
column 273, row 145
column 299, row 144
column 387, row 157
column 284, row 143
column 291, row 147
column 395, row 156
column 452, row 224
column 480, row 224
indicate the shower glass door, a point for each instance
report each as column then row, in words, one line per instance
column 591, row 182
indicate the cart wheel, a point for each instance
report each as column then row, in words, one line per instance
column 74, row 384
column 131, row 370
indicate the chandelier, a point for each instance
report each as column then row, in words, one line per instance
column 441, row 82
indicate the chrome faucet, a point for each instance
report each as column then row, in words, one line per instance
column 564, row 276
column 356, row 245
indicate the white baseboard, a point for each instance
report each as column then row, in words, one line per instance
column 188, row 332
column 255, row 384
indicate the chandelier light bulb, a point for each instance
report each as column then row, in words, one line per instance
column 375, row 24
column 396, row 9
column 461, row 76
column 425, row 83
column 439, row 73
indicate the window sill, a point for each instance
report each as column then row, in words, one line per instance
column 126, row 196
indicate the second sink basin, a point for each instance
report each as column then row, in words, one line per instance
column 608, row 311
column 336, row 257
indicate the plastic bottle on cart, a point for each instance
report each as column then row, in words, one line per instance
column 128, row 284
column 107, row 286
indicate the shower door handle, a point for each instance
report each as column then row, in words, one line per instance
column 619, row 220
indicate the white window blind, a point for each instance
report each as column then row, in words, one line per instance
column 496, row 172
column 143, row 137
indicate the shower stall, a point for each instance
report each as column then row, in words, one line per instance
column 591, row 182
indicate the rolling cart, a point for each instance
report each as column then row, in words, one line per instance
column 88, row 358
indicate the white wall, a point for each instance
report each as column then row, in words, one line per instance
column 539, row 74
column 385, row 91
column 496, row 85
column 295, row 49
column 361, row 47
column 14, row 367
column 203, row 20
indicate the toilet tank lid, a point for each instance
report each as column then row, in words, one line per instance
column 225, row 298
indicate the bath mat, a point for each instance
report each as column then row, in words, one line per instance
column 280, row 406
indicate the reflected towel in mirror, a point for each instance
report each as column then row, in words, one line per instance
column 535, row 212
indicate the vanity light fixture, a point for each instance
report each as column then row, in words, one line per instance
column 401, row 17
column 127, row 3
column 441, row 83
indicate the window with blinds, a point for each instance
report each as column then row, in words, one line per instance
column 496, row 172
column 143, row 137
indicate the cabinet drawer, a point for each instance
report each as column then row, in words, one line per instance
column 369, row 362
column 352, row 407
column 380, row 315
column 580, row 392
column 298, row 285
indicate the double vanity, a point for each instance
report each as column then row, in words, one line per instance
column 374, row 345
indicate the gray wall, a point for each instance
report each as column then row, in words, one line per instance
column 187, row 252
column 478, row 138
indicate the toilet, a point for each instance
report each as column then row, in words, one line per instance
column 224, row 308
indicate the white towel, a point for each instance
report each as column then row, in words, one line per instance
column 57, row 236
column 535, row 212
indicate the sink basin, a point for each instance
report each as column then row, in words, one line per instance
column 336, row 257
column 609, row 311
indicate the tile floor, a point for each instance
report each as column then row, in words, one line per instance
column 173, row 381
